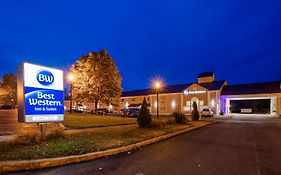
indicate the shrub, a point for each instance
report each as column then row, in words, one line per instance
column 221, row 113
column 34, row 137
column 28, row 138
column 179, row 117
column 194, row 113
column 56, row 134
column 144, row 119
column 158, row 123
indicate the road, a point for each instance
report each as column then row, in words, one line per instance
column 229, row 147
column 8, row 121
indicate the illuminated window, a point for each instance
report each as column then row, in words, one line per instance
column 126, row 104
column 188, row 105
column 173, row 104
column 212, row 102
column 201, row 105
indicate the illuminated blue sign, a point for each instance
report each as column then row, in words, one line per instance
column 42, row 94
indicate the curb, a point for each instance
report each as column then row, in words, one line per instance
column 12, row 166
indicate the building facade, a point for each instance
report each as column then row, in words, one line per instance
column 207, row 92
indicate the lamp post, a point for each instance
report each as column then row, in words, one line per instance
column 70, row 78
column 157, row 86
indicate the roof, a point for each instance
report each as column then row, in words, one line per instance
column 175, row 88
column 216, row 85
column 205, row 74
column 140, row 92
column 166, row 89
column 254, row 88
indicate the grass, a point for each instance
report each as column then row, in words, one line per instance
column 77, row 121
column 79, row 143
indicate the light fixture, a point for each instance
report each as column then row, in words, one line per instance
column 70, row 77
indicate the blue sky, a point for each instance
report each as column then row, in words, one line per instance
column 239, row 40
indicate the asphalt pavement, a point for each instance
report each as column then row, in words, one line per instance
column 230, row 147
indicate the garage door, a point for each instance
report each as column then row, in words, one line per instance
column 254, row 106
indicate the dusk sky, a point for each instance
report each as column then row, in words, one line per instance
column 240, row 40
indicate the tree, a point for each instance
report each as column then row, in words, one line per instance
column 194, row 113
column 144, row 118
column 96, row 79
column 8, row 89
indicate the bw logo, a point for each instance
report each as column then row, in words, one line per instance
column 45, row 78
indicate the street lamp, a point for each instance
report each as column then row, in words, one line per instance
column 157, row 86
column 70, row 79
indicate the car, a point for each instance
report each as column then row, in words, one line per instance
column 207, row 112
column 6, row 107
column 134, row 112
column 102, row 111
column 122, row 112
column 80, row 108
column 130, row 112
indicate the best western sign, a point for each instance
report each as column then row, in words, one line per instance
column 40, row 94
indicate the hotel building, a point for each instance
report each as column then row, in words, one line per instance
column 207, row 92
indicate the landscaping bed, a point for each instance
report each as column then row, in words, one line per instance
column 80, row 143
column 78, row 121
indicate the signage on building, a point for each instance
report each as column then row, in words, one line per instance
column 40, row 94
column 186, row 92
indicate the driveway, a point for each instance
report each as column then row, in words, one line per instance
column 229, row 147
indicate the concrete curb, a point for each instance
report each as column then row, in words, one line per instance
column 11, row 166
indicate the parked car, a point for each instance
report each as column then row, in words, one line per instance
column 6, row 107
column 134, row 112
column 122, row 112
column 102, row 111
column 207, row 112
column 130, row 112
column 80, row 108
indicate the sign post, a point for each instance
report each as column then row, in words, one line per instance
column 40, row 94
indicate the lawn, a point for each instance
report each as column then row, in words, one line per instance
column 76, row 120
column 80, row 143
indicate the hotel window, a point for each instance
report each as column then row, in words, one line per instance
column 201, row 105
column 162, row 101
column 188, row 105
column 162, row 97
column 133, row 99
column 162, row 108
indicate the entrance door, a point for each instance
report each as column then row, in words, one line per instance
column 195, row 99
